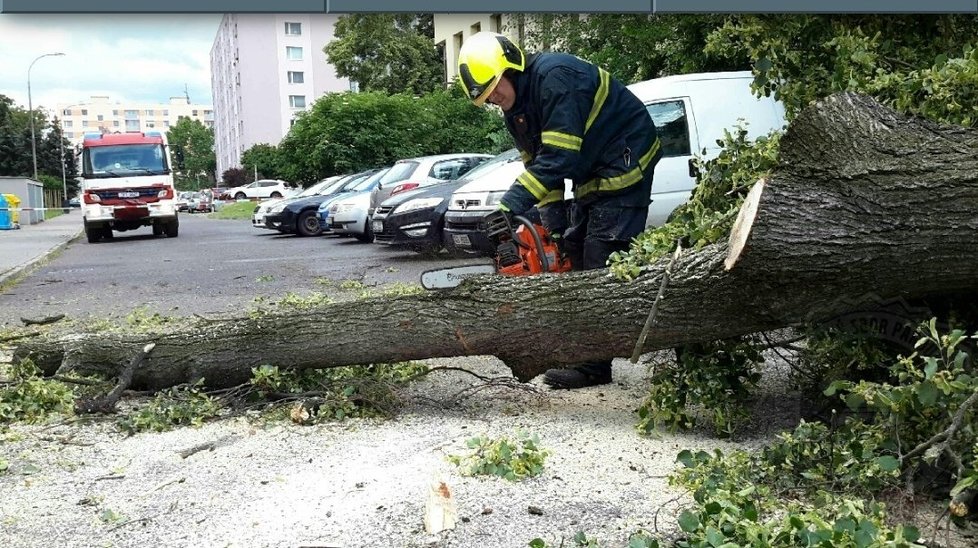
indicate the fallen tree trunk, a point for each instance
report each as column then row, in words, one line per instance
column 865, row 203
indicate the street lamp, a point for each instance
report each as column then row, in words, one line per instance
column 30, row 107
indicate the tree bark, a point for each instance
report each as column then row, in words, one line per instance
column 865, row 203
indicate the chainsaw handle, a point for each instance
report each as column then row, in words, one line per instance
column 541, row 252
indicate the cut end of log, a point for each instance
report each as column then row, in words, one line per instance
column 741, row 228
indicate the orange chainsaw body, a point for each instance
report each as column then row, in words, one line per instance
column 529, row 255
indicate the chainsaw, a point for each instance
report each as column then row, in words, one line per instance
column 522, row 250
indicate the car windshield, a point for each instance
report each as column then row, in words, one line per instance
column 317, row 188
column 369, row 181
column 491, row 164
column 399, row 172
column 353, row 181
column 124, row 160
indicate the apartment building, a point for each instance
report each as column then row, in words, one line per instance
column 103, row 115
column 266, row 68
column 452, row 29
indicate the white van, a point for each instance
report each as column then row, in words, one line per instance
column 690, row 112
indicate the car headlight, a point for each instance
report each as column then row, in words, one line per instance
column 494, row 197
column 418, row 203
column 275, row 208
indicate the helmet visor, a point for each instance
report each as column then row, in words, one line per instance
column 476, row 91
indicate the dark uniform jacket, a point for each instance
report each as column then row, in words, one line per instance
column 571, row 120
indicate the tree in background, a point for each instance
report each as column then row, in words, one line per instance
column 632, row 47
column 348, row 132
column 262, row 159
column 15, row 144
column 235, row 176
column 387, row 52
column 194, row 142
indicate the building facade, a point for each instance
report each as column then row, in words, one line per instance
column 266, row 68
column 452, row 29
column 99, row 114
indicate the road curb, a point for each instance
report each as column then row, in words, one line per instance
column 13, row 275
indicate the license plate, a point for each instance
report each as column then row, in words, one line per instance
column 129, row 194
column 377, row 226
column 461, row 240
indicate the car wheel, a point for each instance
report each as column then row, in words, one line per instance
column 276, row 194
column 308, row 224
column 172, row 228
column 368, row 233
column 94, row 234
column 240, row 196
column 157, row 230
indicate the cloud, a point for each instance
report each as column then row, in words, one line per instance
column 125, row 56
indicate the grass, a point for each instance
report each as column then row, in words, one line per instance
column 235, row 211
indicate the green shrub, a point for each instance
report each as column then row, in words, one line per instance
column 503, row 457
column 177, row 406
column 31, row 398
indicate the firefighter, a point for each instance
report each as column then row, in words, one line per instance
column 571, row 122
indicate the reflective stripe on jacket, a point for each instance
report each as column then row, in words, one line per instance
column 572, row 120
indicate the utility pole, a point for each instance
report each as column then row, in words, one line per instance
column 30, row 107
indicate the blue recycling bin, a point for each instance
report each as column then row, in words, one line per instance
column 5, row 222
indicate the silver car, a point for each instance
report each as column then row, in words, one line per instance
column 422, row 171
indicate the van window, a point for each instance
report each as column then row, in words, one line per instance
column 673, row 127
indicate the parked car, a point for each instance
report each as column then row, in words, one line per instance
column 415, row 219
column 326, row 186
column 299, row 216
column 200, row 202
column 182, row 201
column 263, row 188
column 412, row 173
column 347, row 215
column 470, row 203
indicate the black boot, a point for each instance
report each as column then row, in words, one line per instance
column 579, row 376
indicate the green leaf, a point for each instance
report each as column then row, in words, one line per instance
column 537, row 543
column 927, row 393
column 964, row 484
column 686, row 458
column 888, row 463
column 910, row 533
column 689, row 522
column 714, row 537
column 763, row 65
column 930, row 368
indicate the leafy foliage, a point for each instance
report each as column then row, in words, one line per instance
column 31, row 398
column 633, row 47
column 264, row 159
column 335, row 393
column 512, row 459
column 177, row 406
column 715, row 377
column 349, row 132
column 16, row 158
column 388, row 52
column 901, row 60
column 706, row 218
column 194, row 141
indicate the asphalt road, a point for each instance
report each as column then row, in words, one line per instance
column 215, row 267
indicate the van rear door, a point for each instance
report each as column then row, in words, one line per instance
column 672, row 184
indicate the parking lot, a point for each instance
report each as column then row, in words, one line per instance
column 214, row 267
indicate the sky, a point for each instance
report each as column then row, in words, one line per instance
column 129, row 57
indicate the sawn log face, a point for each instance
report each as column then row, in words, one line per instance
column 865, row 202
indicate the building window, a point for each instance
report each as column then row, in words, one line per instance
column 66, row 112
column 115, row 123
column 293, row 29
column 293, row 53
column 115, row 113
column 100, row 117
column 475, row 28
column 67, row 123
column 84, row 123
column 132, row 125
column 151, row 124
column 166, row 123
column 296, row 77
column 297, row 101
column 496, row 22
column 132, row 114
column 70, row 134
column 149, row 112
column 166, row 113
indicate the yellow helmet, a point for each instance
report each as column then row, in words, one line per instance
column 484, row 57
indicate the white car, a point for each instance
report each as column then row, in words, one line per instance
column 412, row 173
column 261, row 189
column 264, row 207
